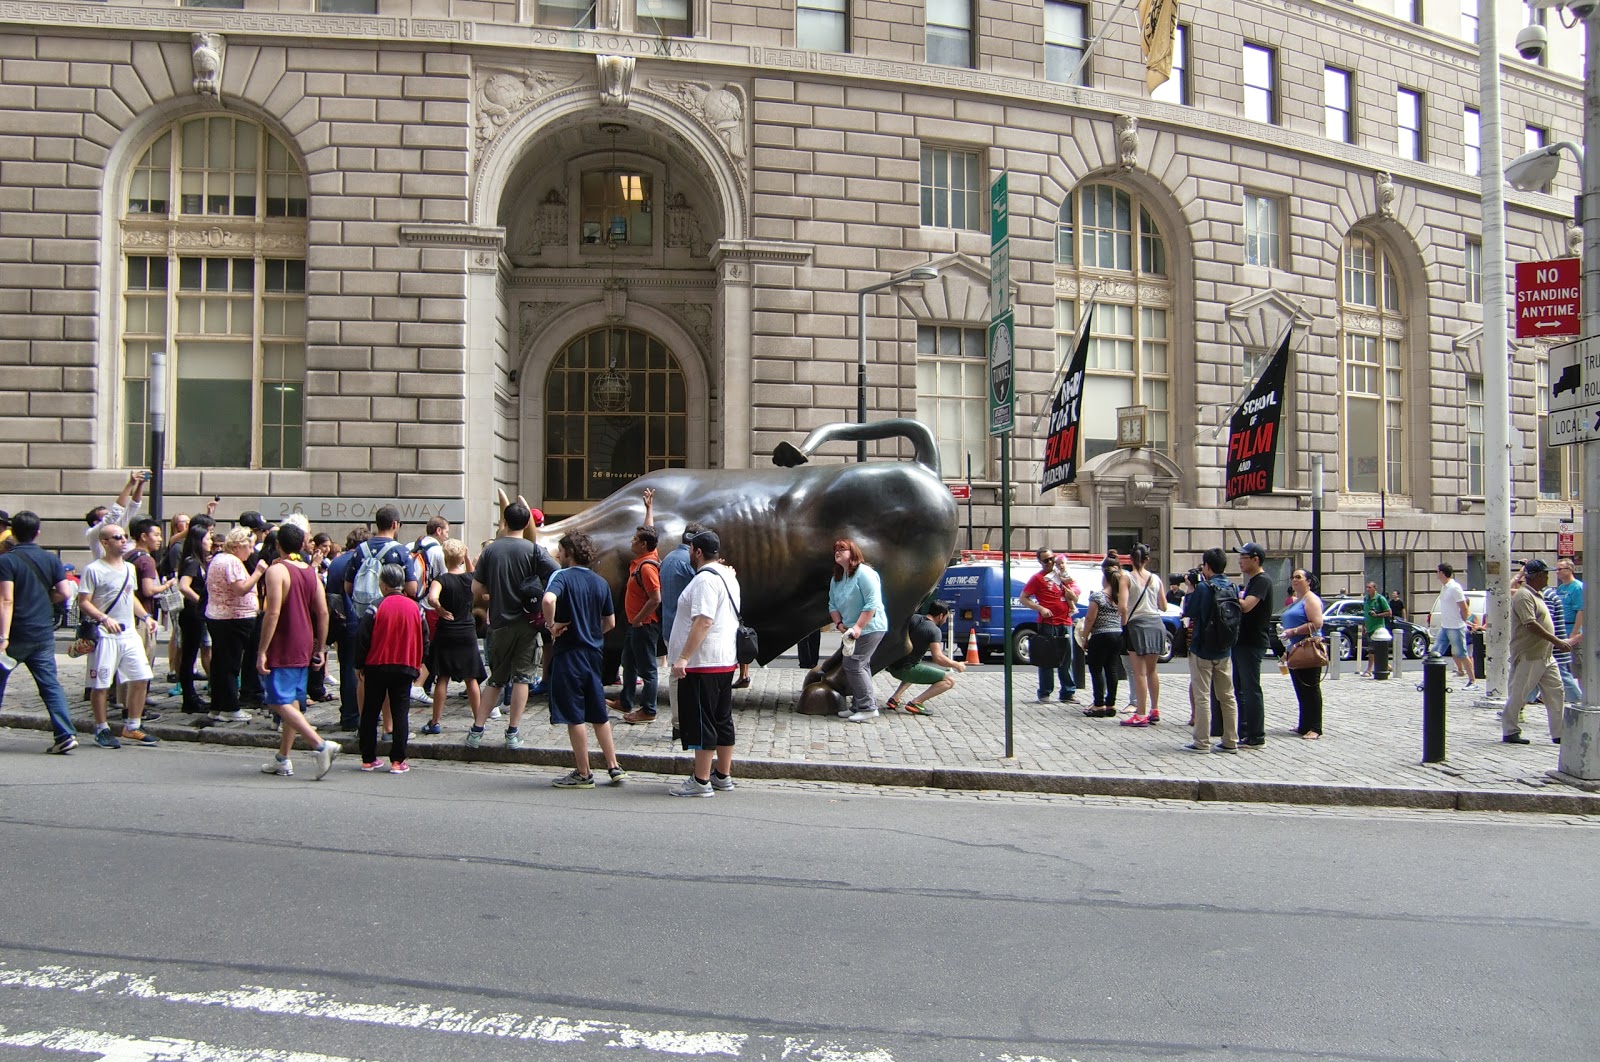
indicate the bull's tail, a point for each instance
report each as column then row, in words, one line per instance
column 925, row 448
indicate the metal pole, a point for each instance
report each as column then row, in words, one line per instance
column 969, row 499
column 158, row 429
column 1316, row 514
column 861, row 366
column 1005, row 574
column 1577, row 756
column 1496, row 351
column 1383, row 539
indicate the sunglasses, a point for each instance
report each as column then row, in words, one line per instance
column 116, row 538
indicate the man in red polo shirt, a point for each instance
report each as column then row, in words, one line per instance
column 1048, row 594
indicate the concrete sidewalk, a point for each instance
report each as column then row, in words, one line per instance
column 1369, row 755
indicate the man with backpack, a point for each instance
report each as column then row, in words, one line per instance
column 1255, row 602
column 427, row 555
column 1214, row 608
column 510, row 579
column 363, row 587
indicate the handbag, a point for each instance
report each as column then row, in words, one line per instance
column 746, row 643
column 87, row 635
column 1048, row 646
column 1309, row 652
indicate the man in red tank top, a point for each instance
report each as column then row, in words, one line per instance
column 294, row 625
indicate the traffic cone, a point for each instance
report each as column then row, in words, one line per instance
column 972, row 647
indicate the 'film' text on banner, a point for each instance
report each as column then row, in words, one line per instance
column 1066, row 413
column 1253, row 430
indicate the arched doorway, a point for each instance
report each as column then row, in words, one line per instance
column 616, row 407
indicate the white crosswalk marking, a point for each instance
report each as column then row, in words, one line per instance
column 112, row 1048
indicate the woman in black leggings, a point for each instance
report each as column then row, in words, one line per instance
column 192, row 617
column 1104, row 624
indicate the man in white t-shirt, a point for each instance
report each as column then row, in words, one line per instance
column 703, row 648
column 1450, row 612
column 108, row 595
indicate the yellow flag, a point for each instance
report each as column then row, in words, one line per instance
column 1158, row 24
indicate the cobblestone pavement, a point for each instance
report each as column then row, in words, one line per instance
column 1372, row 741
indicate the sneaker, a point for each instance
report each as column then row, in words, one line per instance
column 1069, row 698
column 846, row 713
column 915, row 708
column 63, row 746
column 513, row 741
column 1514, row 738
column 175, row 690
column 239, row 716
column 430, row 728
column 639, row 716
column 387, row 736
column 106, row 739
column 1219, row 747
column 148, row 717
column 1138, row 720
column 691, row 788
column 721, row 782
column 617, row 775
column 573, row 780
column 420, row 696
column 325, row 757
column 1472, row 684
column 1043, row 698
column 496, row 713
column 861, row 717
column 370, row 767
column 139, row 737
column 282, row 768
column 172, row 676
column 401, row 767
column 538, row 689
column 1192, row 747
column 1155, row 717
column 474, row 738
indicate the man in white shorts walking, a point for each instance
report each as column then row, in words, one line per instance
column 108, row 595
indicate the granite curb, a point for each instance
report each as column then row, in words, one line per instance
column 1200, row 790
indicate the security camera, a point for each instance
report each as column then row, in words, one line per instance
column 1532, row 42
column 1582, row 9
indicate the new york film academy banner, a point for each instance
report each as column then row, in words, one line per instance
column 1066, row 411
column 1253, row 431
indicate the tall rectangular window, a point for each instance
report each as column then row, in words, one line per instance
column 1475, row 271
column 1410, row 11
column 662, row 18
column 1263, row 241
column 953, row 396
column 1176, row 89
column 565, row 14
column 822, row 25
column 1408, row 123
column 1065, row 38
column 950, row 32
column 1338, row 105
column 1260, row 83
column 1474, row 412
column 952, row 189
column 1469, row 20
column 1471, row 140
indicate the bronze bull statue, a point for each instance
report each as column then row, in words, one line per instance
column 778, row 527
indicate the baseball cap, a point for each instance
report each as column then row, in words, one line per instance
column 706, row 542
column 1535, row 566
column 5, row 518
column 537, row 516
column 1250, row 549
column 253, row 520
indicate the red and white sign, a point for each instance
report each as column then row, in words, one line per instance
column 1565, row 546
column 1374, row 524
column 1547, row 298
column 960, row 491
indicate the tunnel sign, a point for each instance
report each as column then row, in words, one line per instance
column 1575, row 392
column 1547, row 298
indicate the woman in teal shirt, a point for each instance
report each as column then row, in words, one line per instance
column 855, row 601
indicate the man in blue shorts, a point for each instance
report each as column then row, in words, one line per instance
column 578, row 612
column 1450, row 613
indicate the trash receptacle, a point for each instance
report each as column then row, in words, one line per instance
column 1381, row 642
column 1480, row 649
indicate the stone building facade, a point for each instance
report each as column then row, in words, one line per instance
column 425, row 249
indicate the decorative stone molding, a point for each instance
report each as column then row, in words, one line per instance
column 502, row 94
column 614, row 295
column 157, row 236
column 684, row 228
column 1574, row 240
column 721, row 108
column 1259, row 320
column 696, row 320
column 1127, row 128
column 206, row 54
column 1372, row 324
column 1088, row 286
column 615, row 76
column 473, row 237
column 733, row 258
column 1387, row 193
column 531, row 319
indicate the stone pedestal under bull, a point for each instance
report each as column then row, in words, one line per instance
column 778, row 526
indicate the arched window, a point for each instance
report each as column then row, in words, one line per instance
column 1104, row 233
column 614, row 410
column 213, row 272
column 1372, row 376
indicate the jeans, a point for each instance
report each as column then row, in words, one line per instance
column 228, row 641
column 1047, row 675
column 1247, row 691
column 349, row 707
column 639, row 662
column 41, row 661
column 858, row 672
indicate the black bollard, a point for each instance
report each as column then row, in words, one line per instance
column 1380, row 658
column 1433, row 703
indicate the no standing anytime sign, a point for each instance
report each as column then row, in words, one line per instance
column 1547, row 298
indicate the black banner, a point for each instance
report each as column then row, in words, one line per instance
column 1066, row 411
column 1253, row 431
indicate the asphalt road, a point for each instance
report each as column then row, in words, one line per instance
column 175, row 903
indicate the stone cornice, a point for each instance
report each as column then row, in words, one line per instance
column 760, row 251
column 443, row 234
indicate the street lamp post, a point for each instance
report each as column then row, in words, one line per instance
column 916, row 275
column 158, row 428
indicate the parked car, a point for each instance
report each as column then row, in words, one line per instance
column 1477, row 601
column 973, row 590
column 1343, row 617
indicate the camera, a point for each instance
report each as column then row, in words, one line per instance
column 1532, row 42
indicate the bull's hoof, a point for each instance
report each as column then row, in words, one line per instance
column 814, row 675
column 820, row 698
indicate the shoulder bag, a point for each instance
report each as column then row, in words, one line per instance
column 88, row 633
column 746, row 643
column 1310, row 651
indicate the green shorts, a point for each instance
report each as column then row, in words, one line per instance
column 513, row 655
column 919, row 673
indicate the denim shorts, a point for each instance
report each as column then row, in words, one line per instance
column 1450, row 641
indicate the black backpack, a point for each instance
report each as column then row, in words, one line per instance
column 1220, row 633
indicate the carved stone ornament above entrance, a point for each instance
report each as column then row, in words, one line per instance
column 615, row 75
column 502, row 94
column 1387, row 193
column 207, row 49
column 1258, row 320
column 720, row 107
column 1127, row 128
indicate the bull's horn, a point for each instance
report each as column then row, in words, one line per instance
column 925, row 448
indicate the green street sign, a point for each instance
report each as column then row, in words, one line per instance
column 1002, row 393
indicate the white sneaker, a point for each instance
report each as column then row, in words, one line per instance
column 847, row 713
column 325, row 757
column 861, row 717
column 283, row 768
column 496, row 713
column 420, row 696
column 238, row 716
column 721, row 783
column 691, row 788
